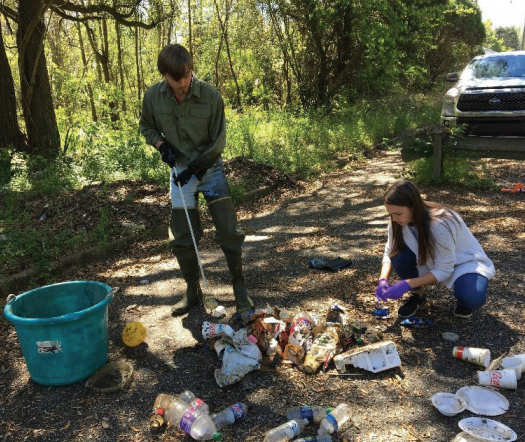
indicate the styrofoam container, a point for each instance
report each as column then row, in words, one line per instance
column 374, row 357
column 522, row 357
column 465, row 437
column 448, row 403
column 482, row 400
column 487, row 429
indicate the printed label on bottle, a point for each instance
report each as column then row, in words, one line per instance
column 196, row 403
column 294, row 426
column 187, row 419
column 333, row 421
column 307, row 413
column 237, row 411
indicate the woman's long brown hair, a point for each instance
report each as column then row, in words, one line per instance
column 406, row 194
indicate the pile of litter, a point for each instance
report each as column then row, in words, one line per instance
column 305, row 340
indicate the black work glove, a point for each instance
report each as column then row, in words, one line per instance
column 167, row 153
column 183, row 177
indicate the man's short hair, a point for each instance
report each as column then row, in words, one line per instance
column 175, row 60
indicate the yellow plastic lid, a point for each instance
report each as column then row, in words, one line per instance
column 134, row 334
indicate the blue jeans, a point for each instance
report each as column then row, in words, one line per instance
column 470, row 290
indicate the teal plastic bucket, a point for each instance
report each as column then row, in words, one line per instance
column 62, row 329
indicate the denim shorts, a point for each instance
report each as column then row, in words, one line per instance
column 213, row 186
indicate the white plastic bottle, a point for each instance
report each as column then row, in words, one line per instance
column 314, row 413
column 229, row 415
column 335, row 419
column 323, row 438
column 286, row 431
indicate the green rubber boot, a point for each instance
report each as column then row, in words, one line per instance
column 242, row 299
column 189, row 267
column 183, row 249
column 230, row 240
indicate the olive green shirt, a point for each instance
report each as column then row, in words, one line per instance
column 196, row 127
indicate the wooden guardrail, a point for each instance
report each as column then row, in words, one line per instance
column 487, row 147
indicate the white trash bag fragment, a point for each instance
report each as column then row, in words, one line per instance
column 247, row 347
column 235, row 365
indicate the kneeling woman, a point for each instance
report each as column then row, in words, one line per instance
column 429, row 243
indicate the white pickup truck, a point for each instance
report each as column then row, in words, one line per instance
column 489, row 97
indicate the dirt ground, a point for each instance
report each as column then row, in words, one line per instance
column 342, row 215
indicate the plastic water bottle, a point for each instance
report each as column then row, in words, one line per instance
column 323, row 438
column 335, row 419
column 199, row 425
column 286, row 431
column 193, row 421
column 229, row 415
column 314, row 413
column 175, row 410
column 157, row 416
column 193, row 401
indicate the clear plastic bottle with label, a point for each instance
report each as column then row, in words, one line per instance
column 314, row 413
column 323, row 438
column 199, row 425
column 194, row 421
column 286, row 431
column 334, row 420
column 229, row 415
column 193, row 401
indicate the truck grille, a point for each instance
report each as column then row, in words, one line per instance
column 492, row 102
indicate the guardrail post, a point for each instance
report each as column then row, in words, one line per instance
column 437, row 141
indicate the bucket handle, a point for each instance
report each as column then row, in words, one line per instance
column 10, row 298
column 112, row 292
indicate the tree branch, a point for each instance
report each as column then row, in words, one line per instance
column 88, row 10
column 9, row 13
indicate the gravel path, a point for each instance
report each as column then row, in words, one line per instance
column 339, row 215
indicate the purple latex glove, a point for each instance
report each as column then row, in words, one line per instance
column 382, row 285
column 396, row 291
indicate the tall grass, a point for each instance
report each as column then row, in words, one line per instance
column 306, row 144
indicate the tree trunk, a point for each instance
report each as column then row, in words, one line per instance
column 10, row 136
column 137, row 64
column 84, row 62
column 189, row 26
column 217, row 63
column 120, row 68
column 37, row 102
column 224, row 28
column 102, row 56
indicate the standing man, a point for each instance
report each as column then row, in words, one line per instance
column 183, row 118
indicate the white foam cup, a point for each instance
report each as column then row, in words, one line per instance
column 522, row 357
column 513, row 363
column 498, row 378
column 479, row 356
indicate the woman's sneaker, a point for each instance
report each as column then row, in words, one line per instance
column 462, row 312
column 410, row 307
